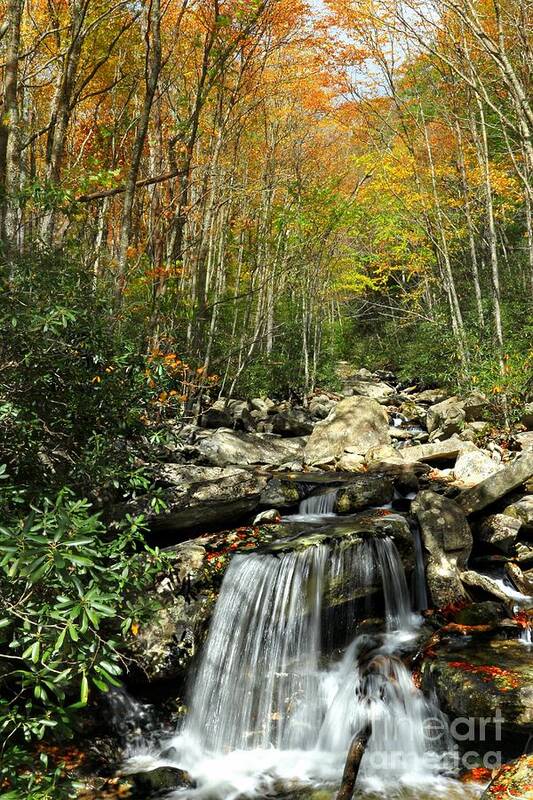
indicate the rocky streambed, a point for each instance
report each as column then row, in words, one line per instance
column 417, row 468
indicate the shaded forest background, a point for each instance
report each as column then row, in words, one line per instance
column 225, row 197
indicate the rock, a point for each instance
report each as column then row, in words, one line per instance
column 477, row 681
column 159, row 779
column 473, row 467
column 448, row 541
column 196, row 495
column 379, row 391
column 438, row 451
column 291, row 423
column 521, row 580
column 478, row 427
column 225, row 447
column 486, row 584
column 446, row 418
column 263, row 405
column 514, row 779
column 488, row 612
column 497, row 486
column 241, row 415
column 414, row 413
column 350, row 462
column 475, row 406
column 524, row 440
column 526, row 418
column 432, row 396
column 384, row 452
column 282, row 494
column 499, row 530
column 522, row 510
column 265, row 517
column 320, row 406
column 217, row 416
column 357, row 423
column 362, row 492
column 400, row 434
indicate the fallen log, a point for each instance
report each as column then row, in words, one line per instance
column 353, row 762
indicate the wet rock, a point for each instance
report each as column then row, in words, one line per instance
column 488, row 612
column 437, row 451
column 473, row 467
column 282, row 493
column 197, row 495
column 265, row 517
column 499, row 530
column 160, row 779
column 514, row 779
column 224, row 448
column 357, row 423
column 497, row 486
column 522, row 510
column 522, row 581
column 447, row 539
column 362, row 492
column 486, row 584
column 478, row 680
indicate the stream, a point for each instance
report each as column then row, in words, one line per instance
column 273, row 707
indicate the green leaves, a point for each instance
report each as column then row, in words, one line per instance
column 68, row 586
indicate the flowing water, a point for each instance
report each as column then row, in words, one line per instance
column 272, row 709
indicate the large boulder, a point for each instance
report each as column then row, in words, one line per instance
column 513, row 780
column 447, row 539
column 356, row 423
column 497, row 486
column 226, row 447
column 473, row 467
column 364, row 491
column 205, row 496
column 499, row 530
column 477, row 681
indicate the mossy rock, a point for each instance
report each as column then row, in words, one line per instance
column 479, row 679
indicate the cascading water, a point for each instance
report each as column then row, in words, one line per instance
column 318, row 505
column 266, row 707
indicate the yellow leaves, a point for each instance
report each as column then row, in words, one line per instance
column 135, row 627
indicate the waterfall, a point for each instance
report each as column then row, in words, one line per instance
column 319, row 504
column 270, row 704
